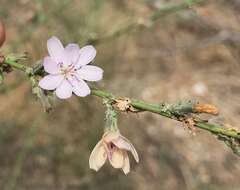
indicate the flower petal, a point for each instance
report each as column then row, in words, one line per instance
column 98, row 157
column 117, row 158
column 55, row 49
column 109, row 136
column 90, row 73
column 51, row 82
column 87, row 54
column 64, row 91
column 80, row 88
column 123, row 143
column 50, row 66
column 126, row 166
column 71, row 52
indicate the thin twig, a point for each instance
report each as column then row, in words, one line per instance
column 146, row 22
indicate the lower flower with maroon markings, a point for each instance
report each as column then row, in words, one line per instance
column 68, row 69
column 113, row 146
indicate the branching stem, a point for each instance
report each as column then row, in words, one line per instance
column 185, row 112
column 179, row 112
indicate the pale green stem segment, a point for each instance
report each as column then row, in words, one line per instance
column 111, row 116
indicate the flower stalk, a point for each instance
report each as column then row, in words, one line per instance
column 111, row 116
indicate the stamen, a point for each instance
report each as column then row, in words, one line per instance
column 60, row 64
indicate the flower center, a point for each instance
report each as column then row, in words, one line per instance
column 110, row 149
column 111, row 146
column 68, row 70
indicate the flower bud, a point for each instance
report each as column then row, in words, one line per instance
column 206, row 108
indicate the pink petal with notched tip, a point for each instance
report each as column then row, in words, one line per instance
column 64, row 90
column 55, row 49
column 51, row 82
column 50, row 66
column 90, row 73
column 87, row 55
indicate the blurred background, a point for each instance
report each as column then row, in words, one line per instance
column 193, row 54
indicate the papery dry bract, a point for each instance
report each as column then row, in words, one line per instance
column 113, row 146
column 68, row 69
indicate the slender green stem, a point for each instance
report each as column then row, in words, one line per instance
column 182, row 112
column 172, row 112
column 101, row 93
column 154, row 108
column 218, row 129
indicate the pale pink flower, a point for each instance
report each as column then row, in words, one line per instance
column 113, row 146
column 68, row 69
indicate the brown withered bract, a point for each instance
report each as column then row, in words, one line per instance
column 124, row 104
column 2, row 34
column 189, row 124
column 206, row 108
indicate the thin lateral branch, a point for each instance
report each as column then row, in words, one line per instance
column 13, row 62
column 146, row 22
column 173, row 9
